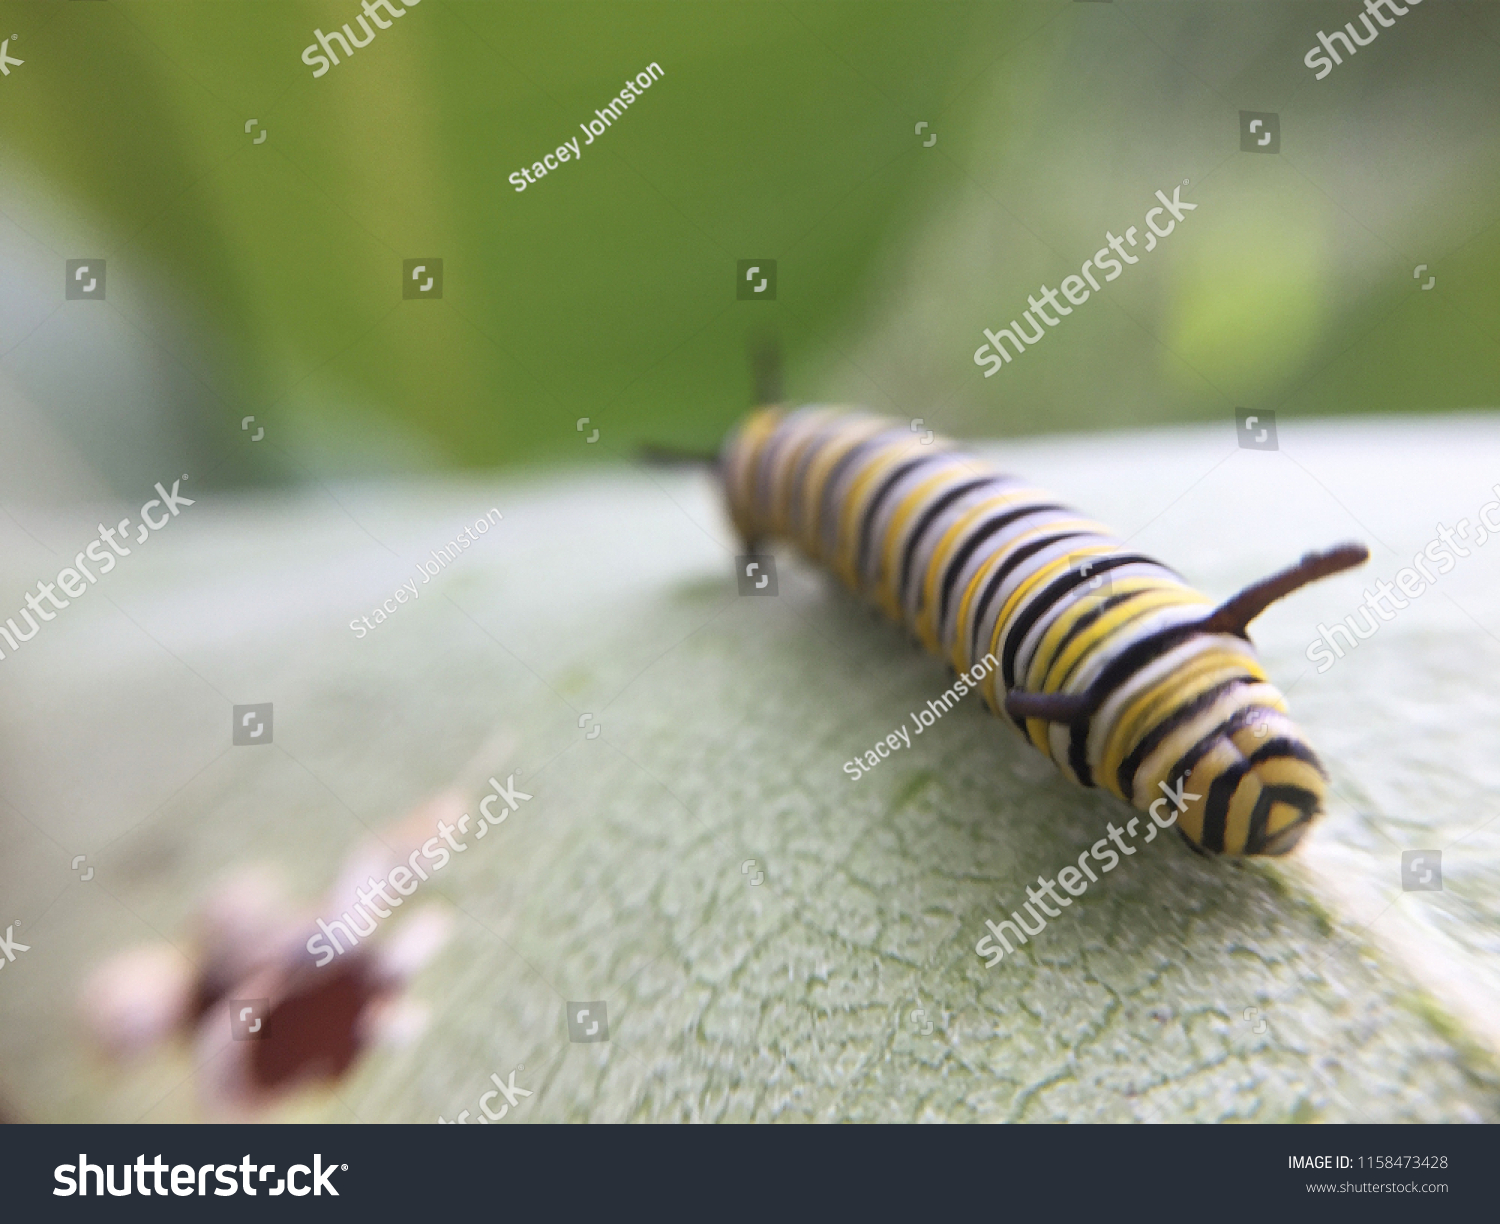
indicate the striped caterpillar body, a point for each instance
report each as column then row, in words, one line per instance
column 1105, row 660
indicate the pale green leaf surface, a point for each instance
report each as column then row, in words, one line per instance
column 725, row 722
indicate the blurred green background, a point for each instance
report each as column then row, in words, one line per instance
column 264, row 279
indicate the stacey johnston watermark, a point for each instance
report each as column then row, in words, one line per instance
column 529, row 176
column 920, row 720
column 1073, row 287
column 428, row 570
column 1326, row 648
column 1072, row 878
column 71, row 579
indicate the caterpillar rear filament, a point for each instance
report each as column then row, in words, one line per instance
column 1105, row 660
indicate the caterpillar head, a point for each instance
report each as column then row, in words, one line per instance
column 1256, row 790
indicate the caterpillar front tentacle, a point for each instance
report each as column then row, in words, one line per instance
column 1234, row 615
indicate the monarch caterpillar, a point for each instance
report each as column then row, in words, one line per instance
column 1141, row 686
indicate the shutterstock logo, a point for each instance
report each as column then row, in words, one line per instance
column 187, row 1180
column 7, row 60
column 995, row 354
column 1325, row 56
